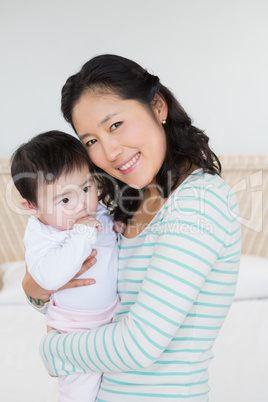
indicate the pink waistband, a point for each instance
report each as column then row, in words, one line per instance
column 67, row 320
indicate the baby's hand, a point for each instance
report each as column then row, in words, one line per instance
column 119, row 227
column 90, row 221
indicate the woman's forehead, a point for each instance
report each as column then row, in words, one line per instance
column 101, row 108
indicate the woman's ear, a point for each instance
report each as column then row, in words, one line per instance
column 30, row 208
column 160, row 107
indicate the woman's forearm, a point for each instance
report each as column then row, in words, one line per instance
column 32, row 289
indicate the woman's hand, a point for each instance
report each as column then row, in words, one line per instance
column 32, row 289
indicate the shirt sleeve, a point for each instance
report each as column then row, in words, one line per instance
column 37, row 304
column 178, row 269
column 52, row 266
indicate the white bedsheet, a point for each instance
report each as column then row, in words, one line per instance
column 22, row 375
column 239, row 370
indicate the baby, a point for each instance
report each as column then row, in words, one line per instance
column 52, row 174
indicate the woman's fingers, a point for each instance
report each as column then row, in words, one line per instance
column 31, row 288
column 93, row 253
column 88, row 263
column 76, row 283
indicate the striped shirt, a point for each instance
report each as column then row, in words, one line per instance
column 176, row 282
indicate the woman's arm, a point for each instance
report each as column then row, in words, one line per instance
column 177, row 272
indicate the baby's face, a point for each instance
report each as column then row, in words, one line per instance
column 71, row 197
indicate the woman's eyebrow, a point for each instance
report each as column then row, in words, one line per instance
column 106, row 118
column 83, row 136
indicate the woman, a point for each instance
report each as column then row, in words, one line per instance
column 179, row 254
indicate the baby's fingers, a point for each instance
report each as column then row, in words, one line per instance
column 99, row 227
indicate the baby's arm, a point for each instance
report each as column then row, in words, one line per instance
column 52, row 266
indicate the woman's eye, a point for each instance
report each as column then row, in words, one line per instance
column 90, row 142
column 115, row 125
column 64, row 201
column 86, row 189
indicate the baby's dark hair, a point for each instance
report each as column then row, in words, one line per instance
column 44, row 159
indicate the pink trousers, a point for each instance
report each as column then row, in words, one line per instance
column 78, row 387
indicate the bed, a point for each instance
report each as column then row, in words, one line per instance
column 238, row 372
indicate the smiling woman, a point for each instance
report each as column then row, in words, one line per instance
column 179, row 254
column 127, row 144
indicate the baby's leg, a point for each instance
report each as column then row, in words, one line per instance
column 79, row 387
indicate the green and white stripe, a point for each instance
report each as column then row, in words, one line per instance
column 176, row 281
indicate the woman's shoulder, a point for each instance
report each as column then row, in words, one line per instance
column 202, row 190
column 201, row 182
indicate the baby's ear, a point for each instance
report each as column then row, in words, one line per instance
column 30, row 207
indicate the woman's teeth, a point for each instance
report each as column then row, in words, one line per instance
column 130, row 163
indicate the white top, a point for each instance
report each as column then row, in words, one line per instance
column 54, row 257
column 176, row 281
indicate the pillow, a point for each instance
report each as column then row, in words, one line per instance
column 12, row 292
column 253, row 278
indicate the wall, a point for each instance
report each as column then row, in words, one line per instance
column 212, row 54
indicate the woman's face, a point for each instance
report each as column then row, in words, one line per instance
column 122, row 137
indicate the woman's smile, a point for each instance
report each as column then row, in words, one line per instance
column 130, row 165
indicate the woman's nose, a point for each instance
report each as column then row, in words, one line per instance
column 112, row 150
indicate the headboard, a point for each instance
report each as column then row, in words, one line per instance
column 12, row 224
column 247, row 175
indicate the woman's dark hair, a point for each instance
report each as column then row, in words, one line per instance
column 187, row 145
column 44, row 159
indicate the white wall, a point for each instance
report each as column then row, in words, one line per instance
column 213, row 54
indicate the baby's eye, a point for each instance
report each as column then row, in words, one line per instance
column 64, row 201
column 90, row 142
column 115, row 125
column 86, row 189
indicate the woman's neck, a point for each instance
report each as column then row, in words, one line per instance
column 151, row 203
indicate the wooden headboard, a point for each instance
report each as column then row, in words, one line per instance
column 12, row 218
column 247, row 175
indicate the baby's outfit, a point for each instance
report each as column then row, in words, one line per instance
column 53, row 258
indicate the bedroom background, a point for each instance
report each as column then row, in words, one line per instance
column 213, row 56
